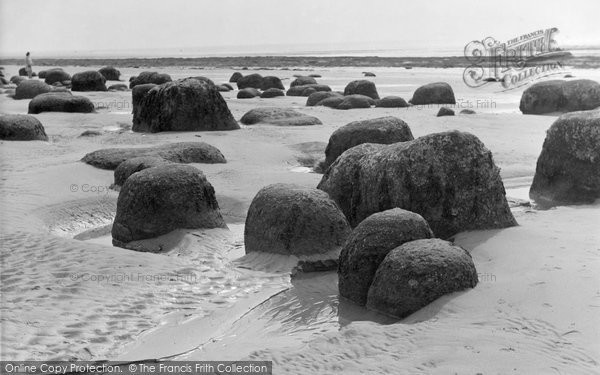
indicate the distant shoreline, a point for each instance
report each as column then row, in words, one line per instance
column 283, row 62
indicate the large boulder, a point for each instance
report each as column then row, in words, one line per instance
column 356, row 101
column 158, row 200
column 21, row 128
column 133, row 165
column 180, row 152
column 118, row 87
column 331, row 102
column 137, row 94
column 31, row 88
column 362, row 87
column 272, row 93
column 110, row 73
column 56, row 75
column 60, row 102
column 368, row 245
column 568, row 168
column 303, row 81
column 235, row 77
column 448, row 178
column 316, row 97
column 271, row 82
column 306, row 90
column 392, row 102
column 89, row 80
column 560, row 96
column 248, row 93
column 417, row 273
column 433, row 93
column 445, row 111
column 149, row 77
column 384, row 130
column 278, row 116
column 292, row 220
column 17, row 79
column 250, row 81
column 190, row 104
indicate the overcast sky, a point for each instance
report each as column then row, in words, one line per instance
column 53, row 26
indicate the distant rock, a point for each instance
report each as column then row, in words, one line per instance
column 303, row 81
column 448, row 178
column 568, row 168
column 272, row 93
column 316, row 97
column 89, row 80
column 278, row 116
column 180, row 152
column 293, row 220
column 383, row 130
column 417, row 273
column 369, row 74
column 434, row 93
column 110, row 73
column 445, row 111
column 91, row 133
column 362, row 87
column 17, row 79
column 60, row 102
column 314, row 75
column 392, row 102
column 227, row 85
column 560, row 96
column 118, row 87
column 189, row 104
column 28, row 89
column 223, row 88
column 235, row 77
column 270, row 82
column 356, row 101
column 368, row 245
column 158, row 200
column 467, row 112
column 306, row 90
column 248, row 93
column 149, row 77
column 21, row 128
column 133, row 165
column 254, row 81
column 332, row 102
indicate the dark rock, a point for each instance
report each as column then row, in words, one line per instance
column 23, row 72
column 316, row 97
column 392, row 102
column 17, row 79
column 90, row 133
column 118, row 87
column 384, row 130
column 568, row 168
column 445, row 111
column 417, row 273
column 278, row 116
column 158, row 200
column 293, row 220
column 369, row 243
column 189, row 104
column 133, row 165
column 21, row 128
column 568, row 76
column 235, row 77
column 306, row 90
column 331, row 102
column 181, row 152
column 369, row 74
column 356, row 101
column 89, row 80
column 467, row 112
column 110, row 73
column 60, row 102
column 434, row 93
column 248, row 93
column 254, row 81
column 271, row 82
column 29, row 89
column 227, row 85
column 560, row 96
column 448, row 178
column 56, row 75
column 361, row 87
column 149, row 77
column 137, row 94
column 272, row 93
column 223, row 88
column 303, row 81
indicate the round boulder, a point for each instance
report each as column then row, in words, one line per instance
column 272, row 93
column 189, row 104
column 133, row 165
column 316, row 97
column 560, row 96
column 29, row 89
column 17, row 79
column 271, row 82
column 303, row 81
column 417, row 273
column 434, row 93
column 362, row 87
column 445, row 111
column 60, row 102
column 23, row 72
column 118, row 87
column 21, row 128
column 250, row 81
column 110, row 73
column 467, row 112
column 368, row 245
column 149, row 77
column 89, row 80
column 235, row 77
column 306, row 90
column 292, row 220
column 568, row 168
column 56, row 75
column 356, row 101
column 248, row 93
column 278, row 116
column 392, row 102
column 158, row 200
column 383, row 130
column 331, row 102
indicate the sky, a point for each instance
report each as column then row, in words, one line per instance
column 177, row 27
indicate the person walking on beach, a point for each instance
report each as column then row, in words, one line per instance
column 28, row 65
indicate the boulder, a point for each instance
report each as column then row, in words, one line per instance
column 227, row 85
column 235, row 77
column 23, row 72
column 392, row 102
column 445, row 111
column 42, row 74
column 223, row 88
column 270, row 82
column 303, row 81
column 90, row 133
column 89, row 80
column 306, row 90
column 149, row 77
column 467, row 112
column 21, row 128
column 17, row 79
column 383, row 130
column 180, row 152
column 248, row 93
column 356, row 101
column 29, row 89
column 560, row 96
column 118, row 87
column 369, row 74
column 133, row 165
column 434, row 93
column 368, row 245
column 158, row 200
column 272, row 93
column 278, row 116
column 417, row 273
column 110, row 73
column 137, row 94
column 60, row 102
column 56, row 75
column 293, row 220
column 568, row 168
column 331, row 102
column 189, row 104
column 316, row 97
column 448, row 178
column 250, row 81
column 361, row 87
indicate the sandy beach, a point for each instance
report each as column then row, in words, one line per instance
column 67, row 293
